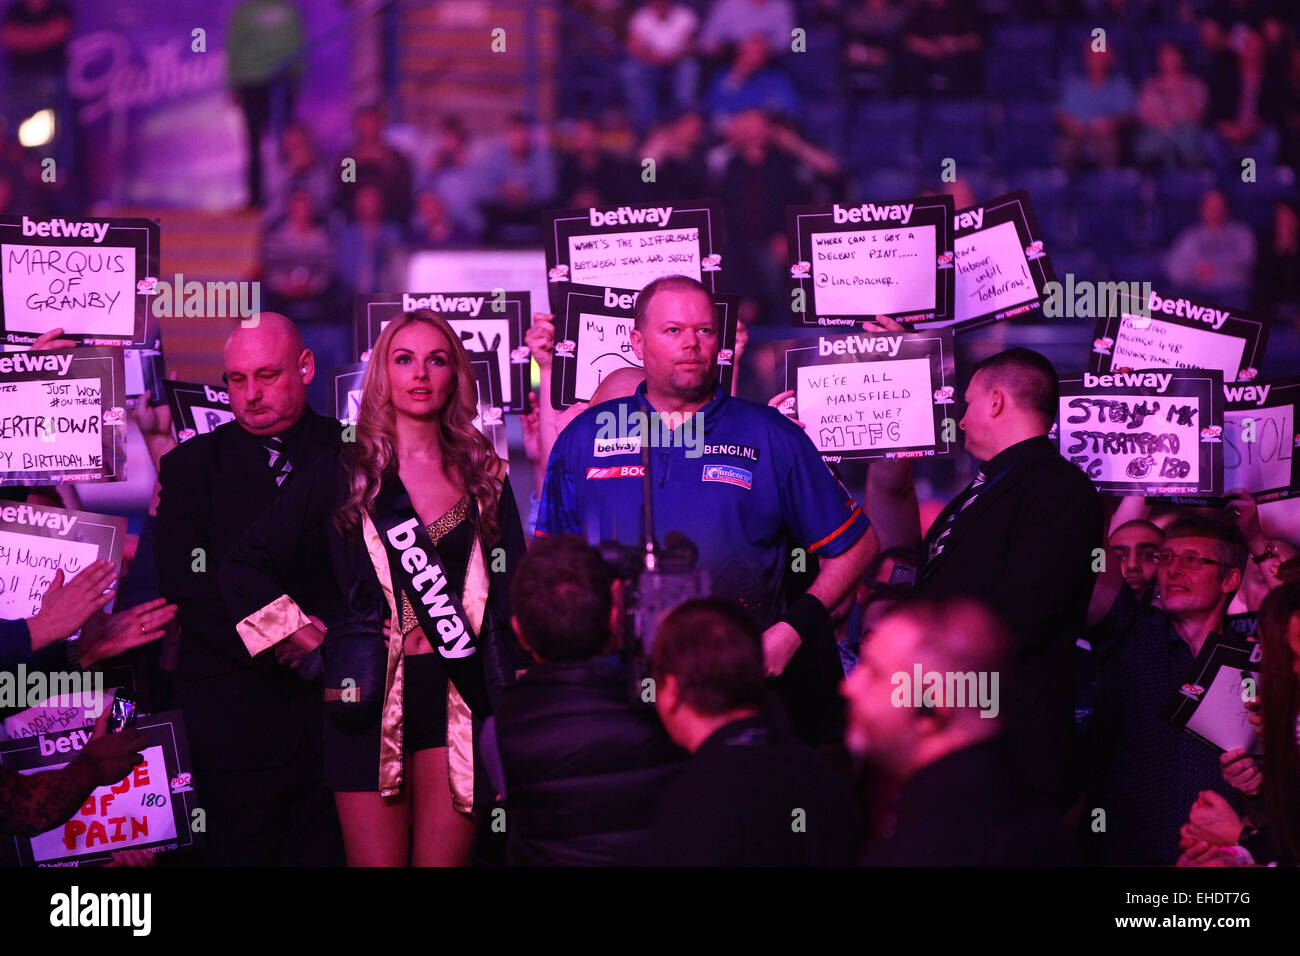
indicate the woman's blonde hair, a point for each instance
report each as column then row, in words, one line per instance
column 467, row 456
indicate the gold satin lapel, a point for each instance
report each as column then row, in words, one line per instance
column 271, row 625
column 390, row 733
column 460, row 751
column 460, row 727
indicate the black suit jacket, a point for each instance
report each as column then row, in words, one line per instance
column 240, row 712
column 1025, row 547
column 966, row 809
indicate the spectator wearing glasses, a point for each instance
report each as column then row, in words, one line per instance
column 1145, row 772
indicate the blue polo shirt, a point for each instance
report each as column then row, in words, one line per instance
column 746, row 491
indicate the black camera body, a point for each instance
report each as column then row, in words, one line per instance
column 649, row 596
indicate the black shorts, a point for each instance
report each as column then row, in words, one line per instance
column 352, row 754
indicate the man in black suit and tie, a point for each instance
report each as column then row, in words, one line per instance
column 1021, row 537
column 254, row 724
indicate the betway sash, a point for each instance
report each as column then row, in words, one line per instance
column 416, row 567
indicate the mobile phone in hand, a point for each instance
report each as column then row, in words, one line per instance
column 122, row 714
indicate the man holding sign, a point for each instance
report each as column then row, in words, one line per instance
column 745, row 485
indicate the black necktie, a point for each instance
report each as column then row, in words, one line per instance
column 280, row 464
column 972, row 492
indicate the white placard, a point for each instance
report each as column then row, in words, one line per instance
column 74, row 406
column 1128, row 439
column 140, row 814
column 867, row 405
column 605, row 346
column 874, row 271
column 1149, row 343
column 992, row 272
column 1221, row 716
column 1265, row 463
column 27, row 566
column 631, row 260
column 208, row 419
column 483, row 332
column 83, row 290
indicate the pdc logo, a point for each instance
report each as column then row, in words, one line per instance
column 559, row 274
column 945, row 260
column 114, row 415
column 943, row 395
column 520, row 355
column 1194, row 691
column 146, row 285
column 1102, row 346
column 1212, row 433
column 493, row 415
column 725, row 356
column 566, row 348
column 1247, row 375
column 711, row 263
column 185, row 434
column 800, row 270
column 1035, row 250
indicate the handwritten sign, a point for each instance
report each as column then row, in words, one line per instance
column 1001, row 261
column 1158, row 433
column 1261, row 438
column 875, row 395
column 1211, row 703
column 90, row 277
column 59, row 712
column 36, row 541
column 627, row 247
column 197, row 409
column 854, row 262
column 486, row 321
column 593, row 339
column 148, row 808
column 1160, row 331
column 62, row 416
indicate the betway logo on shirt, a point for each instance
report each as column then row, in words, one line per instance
column 59, row 228
column 441, row 303
column 27, row 362
column 870, row 212
column 859, row 345
column 628, row 215
column 1247, row 393
column 605, row 447
column 60, row 522
column 1154, row 380
column 1201, row 313
column 970, row 219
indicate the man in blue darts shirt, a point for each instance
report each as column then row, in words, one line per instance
column 744, row 484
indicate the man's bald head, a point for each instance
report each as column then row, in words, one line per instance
column 268, row 330
column 267, row 374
